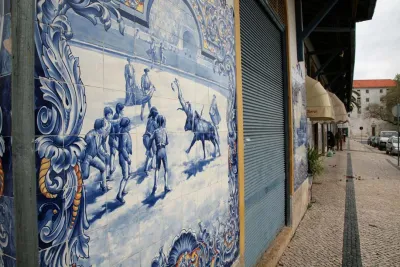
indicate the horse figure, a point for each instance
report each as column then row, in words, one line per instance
column 202, row 129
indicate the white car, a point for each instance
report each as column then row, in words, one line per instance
column 384, row 137
column 392, row 145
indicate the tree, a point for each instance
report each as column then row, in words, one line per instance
column 383, row 111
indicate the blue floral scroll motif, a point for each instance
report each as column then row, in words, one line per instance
column 4, row 235
column 214, row 247
column 2, row 150
column 61, row 205
column 214, row 28
column 7, row 229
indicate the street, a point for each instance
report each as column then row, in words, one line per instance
column 374, row 149
column 352, row 221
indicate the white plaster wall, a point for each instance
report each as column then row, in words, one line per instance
column 358, row 120
column 356, row 123
column 301, row 196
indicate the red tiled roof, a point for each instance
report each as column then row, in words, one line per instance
column 384, row 83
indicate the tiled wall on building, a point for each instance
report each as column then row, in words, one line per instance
column 7, row 222
column 104, row 70
column 299, row 125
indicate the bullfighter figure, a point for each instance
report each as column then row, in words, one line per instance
column 150, row 147
column 215, row 116
column 146, row 86
column 113, row 139
column 151, row 52
column 163, row 59
column 160, row 137
column 130, row 83
column 108, row 124
column 135, row 37
column 125, row 152
column 95, row 154
column 214, row 112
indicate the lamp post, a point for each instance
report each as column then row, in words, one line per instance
column 396, row 113
column 398, row 134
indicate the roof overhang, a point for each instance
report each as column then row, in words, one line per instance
column 365, row 10
column 333, row 24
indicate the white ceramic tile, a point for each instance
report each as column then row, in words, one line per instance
column 91, row 63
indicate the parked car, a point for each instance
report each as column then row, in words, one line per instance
column 383, row 138
column 392, row 145
column 374, row 141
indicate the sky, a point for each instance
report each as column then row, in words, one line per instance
column 378, row 43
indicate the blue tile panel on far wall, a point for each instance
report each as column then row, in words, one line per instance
column 7, row 227
column 5, row 105
column 6, row 181
column 300, row 126
column 5, row 43
column 78, row 145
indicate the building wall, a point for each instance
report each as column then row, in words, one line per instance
column 82, row 68
column 374, row 95
column 300, row 131
column 7, row 221
column 361, row 119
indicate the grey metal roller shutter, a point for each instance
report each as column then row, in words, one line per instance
column 264, row 128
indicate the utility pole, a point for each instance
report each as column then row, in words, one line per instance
column 398, row 135
column 396, row 113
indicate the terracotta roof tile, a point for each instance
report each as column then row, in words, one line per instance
column 384, row 83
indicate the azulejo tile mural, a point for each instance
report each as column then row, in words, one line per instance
column 7, row 222
column 300, row 126
column 136, row 133
column 5, row 37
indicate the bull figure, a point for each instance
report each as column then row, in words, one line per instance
column 202, row 129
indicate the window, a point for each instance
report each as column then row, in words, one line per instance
column 381, row 91
column 367, row 99
column 367, row 108
column 367, row 91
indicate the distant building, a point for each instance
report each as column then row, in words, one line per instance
column 370, row 92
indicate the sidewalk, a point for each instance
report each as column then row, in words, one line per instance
column 369, row 234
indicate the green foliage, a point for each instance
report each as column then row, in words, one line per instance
column 315, row 165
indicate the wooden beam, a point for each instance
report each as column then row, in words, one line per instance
column 333, row 81
column 333, row 72
column 304, row 33
column 326, row 63
column 318, row 18
column 333, row 29
column 290, row 183
column 327, row 51
column 299, row 29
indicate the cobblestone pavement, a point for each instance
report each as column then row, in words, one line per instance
column 319, row 238
column 378, row 206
